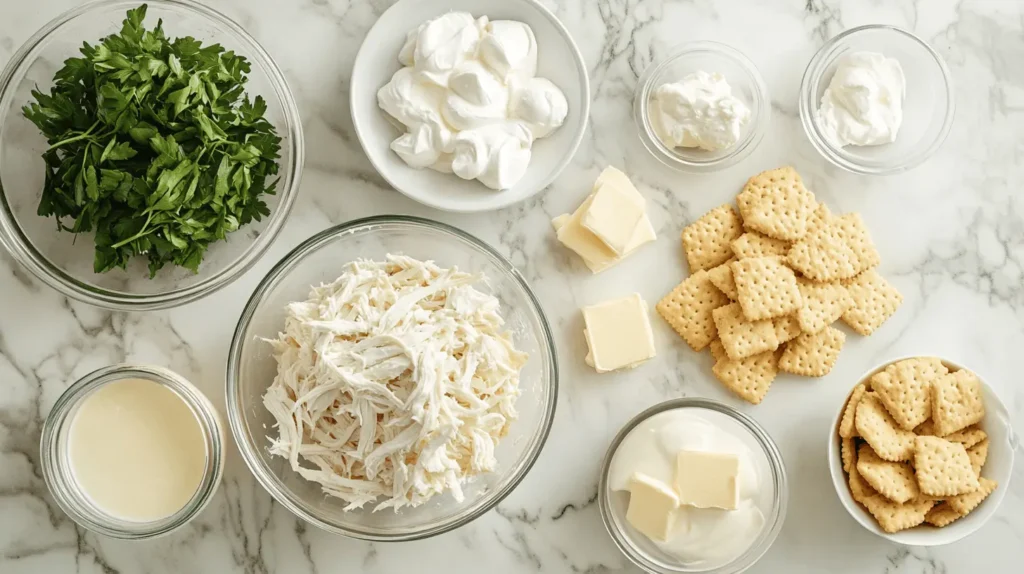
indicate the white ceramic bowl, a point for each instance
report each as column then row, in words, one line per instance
column 559, row 61
column 999, row 465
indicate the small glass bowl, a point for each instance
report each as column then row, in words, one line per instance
column 928, row 106
column 56, row 463
column 746, row 82
column 770, row 467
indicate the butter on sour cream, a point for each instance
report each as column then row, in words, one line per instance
column 469, row 100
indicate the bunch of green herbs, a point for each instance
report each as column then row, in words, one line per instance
column 154, row 147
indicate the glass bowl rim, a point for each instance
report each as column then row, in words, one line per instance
column 13, row 237
column 774, row 522
column 814, row 75
column 53, row 464
column 270, row 483
column 743, row 148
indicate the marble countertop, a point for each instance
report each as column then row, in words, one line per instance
column 951, row 235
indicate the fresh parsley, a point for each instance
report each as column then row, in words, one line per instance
column 154, row 146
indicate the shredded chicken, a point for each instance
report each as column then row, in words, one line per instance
column 395, row 381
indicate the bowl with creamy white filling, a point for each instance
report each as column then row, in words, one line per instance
column 702, row 108
column 876, row 100
column 692, row 485
column 469, row 105
column 392, row 378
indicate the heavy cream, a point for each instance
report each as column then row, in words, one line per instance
column 468, row 99
column 648, row 461
column 863, row 104
column 136, row 450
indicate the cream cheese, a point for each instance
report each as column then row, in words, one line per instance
column 698, row 111
column 863, row 104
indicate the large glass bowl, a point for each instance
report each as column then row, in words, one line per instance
column 64, row 260
column 251, row 369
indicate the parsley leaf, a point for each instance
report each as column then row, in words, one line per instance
column 155, row 147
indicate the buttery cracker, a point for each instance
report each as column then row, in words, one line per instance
column 894, row 480
column 894, row 517
column 824, row 255
column 968, row 437
column 847, row 449
column 688, row 309
column 874, row 301
column 813, row 354
column 717, row 350
column 878, row 428
column 978, row 455
column 752, row 244
column 741, row 337
column 748, row 378
column 822, row 304
column 859, row 488
column 787, row 328
column 847, row 429
column 943, row 468
column 765, row 288
column 956, row 402
column 707, row 240
column 942, row 514
column 906, row 394
column 721, row 277
column 777, row 204
column 965, row 503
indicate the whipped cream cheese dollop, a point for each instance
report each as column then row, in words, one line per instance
column 394, row 383
column 863, row 103
column 706, row 536
column 469, row 100
column 698, row 111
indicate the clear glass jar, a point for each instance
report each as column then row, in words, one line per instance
column 771, row 473
column 56, row 463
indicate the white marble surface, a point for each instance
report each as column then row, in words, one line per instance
column 951, row 234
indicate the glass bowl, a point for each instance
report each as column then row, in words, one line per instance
column 56, row 462
column 746, row 82
column 252, row 367
column 928, row 105
column 771, row 473
column 63, row 260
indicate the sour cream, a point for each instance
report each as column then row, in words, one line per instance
column 698, row 111
column 863, row 104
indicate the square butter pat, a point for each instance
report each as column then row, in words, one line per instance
column 612, row 216
column 618, row 334
column 652, row 507
column 708, row 479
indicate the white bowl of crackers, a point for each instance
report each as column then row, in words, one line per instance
column 921, row 452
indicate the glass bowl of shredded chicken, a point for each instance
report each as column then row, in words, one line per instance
column 392, row 378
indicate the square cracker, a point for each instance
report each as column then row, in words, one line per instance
column 822, row 304
column 813, row 354
column 956, row 402
column 847, row 450
column 905, row 390
column 765, row 288
column 748, row 378
column 968, row 437
column 753, row 244
column 894, row 480
column 893, row 517
column 707, row 240
column 743, row 338
column 877, row 427
column 717, row 350
column 821, row 216
column 978, row 455
column 943, row 467
column 786, row 328
column 942, row 514
column 839, row 248
column 847, row 429
column 874, row 301
column 688, row 307
column 859, row 488
column 721, row 277
column 965, row 503
column 777, row 204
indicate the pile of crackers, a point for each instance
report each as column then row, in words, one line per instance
column 912, row 447
column 768, row 281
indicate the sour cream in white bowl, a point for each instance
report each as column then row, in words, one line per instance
column 507, row 119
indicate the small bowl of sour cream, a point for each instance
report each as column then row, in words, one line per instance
column 132, row 451
column 876, row 100
column 702, row 108
column 692, row 485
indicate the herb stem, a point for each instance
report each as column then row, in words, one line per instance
column 86, row 134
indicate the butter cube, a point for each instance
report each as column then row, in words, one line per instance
column 652, row 507
column 618, row 334
column 612, row 216
column 708, row 479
